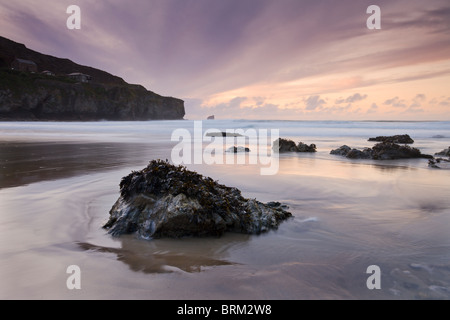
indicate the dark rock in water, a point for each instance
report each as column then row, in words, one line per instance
column 341, row 151
column 164, row 200
column 444, row 153
column 284, row 145
column 392, row 151
column 358, row 154
column 211, row 118
column 223, row 134
column 381, row 151
column 432, row 164
column 303, row 147
column 352, row 153
column 238, row 150
column 439, row 163
column 403, row 139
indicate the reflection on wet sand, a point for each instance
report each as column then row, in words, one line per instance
column 23, row 163
column 161, row 256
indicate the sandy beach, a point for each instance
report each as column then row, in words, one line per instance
column 55, row 195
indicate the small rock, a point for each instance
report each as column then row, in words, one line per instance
column 432, row 164
column 358, row 154
column 223, row 134
column 444, row 153
column 303, row 147
column 284, row 145
column 403, row 139
column 238, row 150
column 341, row 151
column 443, row 163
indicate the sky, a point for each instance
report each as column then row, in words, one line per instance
column 258, row 59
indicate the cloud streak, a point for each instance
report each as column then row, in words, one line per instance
column 296, row 56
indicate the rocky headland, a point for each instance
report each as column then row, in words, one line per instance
column 60, row 90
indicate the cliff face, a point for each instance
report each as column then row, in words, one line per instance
column 33, row 96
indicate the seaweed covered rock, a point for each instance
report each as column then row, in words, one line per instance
column 164, row 200
column 381, row 151
column 341, row 151
column 392, row 151
column 303, row 147
column 402, row 139
column 352, row 153
column 284, row 145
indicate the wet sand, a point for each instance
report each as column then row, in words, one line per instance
column 347, row 217
column 22, row 163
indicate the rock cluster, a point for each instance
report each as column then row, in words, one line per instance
column 164, row 200
column 386, row 150
column 284, row 145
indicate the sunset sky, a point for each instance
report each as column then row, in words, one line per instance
column 258, row 59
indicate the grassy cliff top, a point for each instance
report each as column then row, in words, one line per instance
column 10, row 50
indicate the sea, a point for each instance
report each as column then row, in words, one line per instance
column 361, row 229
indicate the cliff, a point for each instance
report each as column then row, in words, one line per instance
column 35, row 96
